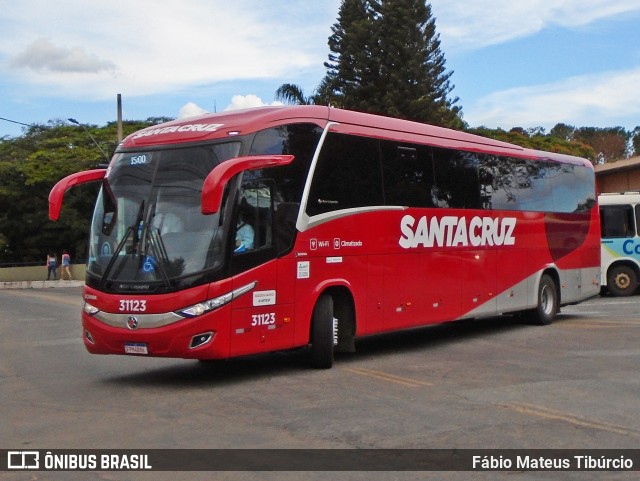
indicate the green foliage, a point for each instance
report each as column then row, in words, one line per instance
column 610, row 144
column 414, row 83
column 385, row 58
column 353, row 65
column 635, row 141
column 293, row 94
column 600, row 145
column 536, row 139
column 30, row 165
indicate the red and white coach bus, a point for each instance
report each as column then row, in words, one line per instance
column 282, row 227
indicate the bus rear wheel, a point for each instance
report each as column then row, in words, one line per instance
column 547, row 308
column 322, row 333
column 622, row 281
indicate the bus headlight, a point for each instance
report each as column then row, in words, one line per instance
column 217, row 302
column 89, row 309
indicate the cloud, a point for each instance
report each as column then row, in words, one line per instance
column 43, row 55
column 152, row 48
column 160, row 46
column 190, row 109
column 247, row 101
column 472, row 25
column 604, row 99
column 238, row 102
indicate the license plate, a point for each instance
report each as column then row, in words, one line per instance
column 136, row 348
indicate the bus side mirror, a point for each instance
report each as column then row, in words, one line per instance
column 57, row 193
column 217, row 179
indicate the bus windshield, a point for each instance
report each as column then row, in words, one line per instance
column 148, row 232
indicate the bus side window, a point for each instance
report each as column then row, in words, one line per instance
column 457, row 185
column 617, row 221
column 109, row 209
column 253, row 233
column 254, row 227
column 408, row 174
column 348, row 175
column 286, row 214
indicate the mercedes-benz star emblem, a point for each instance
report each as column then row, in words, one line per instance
column 132, row 322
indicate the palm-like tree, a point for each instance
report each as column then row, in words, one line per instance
column 293, row 94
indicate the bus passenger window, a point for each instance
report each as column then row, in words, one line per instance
column 254, row 226
column 457, row 185
column 348, row 175
column 408, row 174
column 617, row 221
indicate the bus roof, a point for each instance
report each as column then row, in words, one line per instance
column 619, row 198
column 229, row 124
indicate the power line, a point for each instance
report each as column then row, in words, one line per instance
column 74, row 121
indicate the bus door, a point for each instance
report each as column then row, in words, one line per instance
column 262, row 318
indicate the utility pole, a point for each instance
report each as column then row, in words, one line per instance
column 119, row 118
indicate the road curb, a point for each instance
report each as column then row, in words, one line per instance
column 40, row 284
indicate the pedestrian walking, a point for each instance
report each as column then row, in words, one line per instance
column 52, row 264
column 66, row 263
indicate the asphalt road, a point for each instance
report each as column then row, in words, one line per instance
column 494, row 383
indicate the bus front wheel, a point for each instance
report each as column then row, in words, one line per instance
column 547, row 302
column 622, row 281
column 322, row 333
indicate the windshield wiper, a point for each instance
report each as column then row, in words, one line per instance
column 158, row 247
column 136, row 228
column 116, row 254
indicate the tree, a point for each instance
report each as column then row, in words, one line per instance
column 610, row 143
column 538, row 141
column 414, row 82
column 31, row 164
column 635, row 141
column 353, row 66
column 29, row 167
column 563, row 131
column 385, row 58
column 293, row 94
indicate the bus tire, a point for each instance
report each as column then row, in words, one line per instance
column 322, row 340
column 547, row 308
column 622, row 280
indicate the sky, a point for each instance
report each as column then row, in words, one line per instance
column 515, row 64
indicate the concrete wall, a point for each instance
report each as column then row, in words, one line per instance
column 37, row 273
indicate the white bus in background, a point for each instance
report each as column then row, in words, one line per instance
column 620, row 245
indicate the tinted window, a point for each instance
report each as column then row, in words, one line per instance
column 563, row 185
column 347, row 175
column 585, row 188
column 521, row 184
column 408, row 174
column 301, row 141
column 456, row 179
column 506, row 183
column 617, row 221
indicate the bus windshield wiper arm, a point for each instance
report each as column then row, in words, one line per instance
column 155, row 240
column 116, row 254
